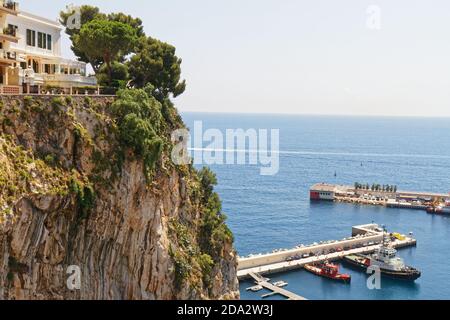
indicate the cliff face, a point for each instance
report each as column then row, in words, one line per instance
column 70, row 201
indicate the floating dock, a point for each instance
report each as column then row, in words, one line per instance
column 275, row 290
column 365, row 239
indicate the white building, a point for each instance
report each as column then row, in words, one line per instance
column 322, row 191
column 30, row 55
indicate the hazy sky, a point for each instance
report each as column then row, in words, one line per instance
column 295, row 56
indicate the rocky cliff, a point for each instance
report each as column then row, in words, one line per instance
column 85, row 215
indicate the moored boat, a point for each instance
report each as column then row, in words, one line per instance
column 255, row 288
column 280, row 284
column 389, row 264
column 433, row 209
column 328, row 270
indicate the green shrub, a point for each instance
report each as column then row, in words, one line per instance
column 214, row 233
column 182, row 267
column 140, row 121
column 206, row 264
column 208, row 180
column 81, row 133
column 50, row 159
column 69, row 100
column 87, row 101
column 85, row 196
column 27, row 101
column 57, row 102
column 135, row 132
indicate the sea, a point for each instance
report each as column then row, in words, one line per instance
column 267, row 212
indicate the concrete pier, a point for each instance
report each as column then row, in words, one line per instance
column 365, row 239
column 390, row 199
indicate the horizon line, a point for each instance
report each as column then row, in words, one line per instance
column 318, row 114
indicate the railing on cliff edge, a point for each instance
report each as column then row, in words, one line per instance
column 57, row 91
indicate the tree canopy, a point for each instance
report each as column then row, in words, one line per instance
column 135, row 23
column 120, row 53
column 106, row 40
column 119, row 75
column 87, row 14
column 155, row 62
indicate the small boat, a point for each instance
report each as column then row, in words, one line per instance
column 438, row 210
column 328, row 270
column 280, row 284
column 255, row 288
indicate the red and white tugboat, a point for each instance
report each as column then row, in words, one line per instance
column 328, row 270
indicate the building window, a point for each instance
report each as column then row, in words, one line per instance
column 49, row 42
column 35, row 66
column 31, row 38
column 50, row 68
column 44, row 41
column 40, row 40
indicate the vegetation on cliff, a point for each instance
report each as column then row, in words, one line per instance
column 81, row 148
column 199, row 250
column 22, row 174
column 99, row 153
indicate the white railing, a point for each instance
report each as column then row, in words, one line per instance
column 76, row 78
column 55, row 79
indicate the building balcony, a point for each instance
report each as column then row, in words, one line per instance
column 10, row 7
column 7, row 57
column 9, row 34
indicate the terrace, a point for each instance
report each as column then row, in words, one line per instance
column 10, row 34
column 10, row 7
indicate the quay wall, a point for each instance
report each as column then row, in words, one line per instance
column 343, row 189
column 364, row 229
column 265, row 269
column 281, row 256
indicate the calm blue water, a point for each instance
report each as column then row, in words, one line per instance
column 269, row 212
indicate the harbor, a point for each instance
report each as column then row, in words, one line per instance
column 365, row 239
column 387, row 196
column 267, row 215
